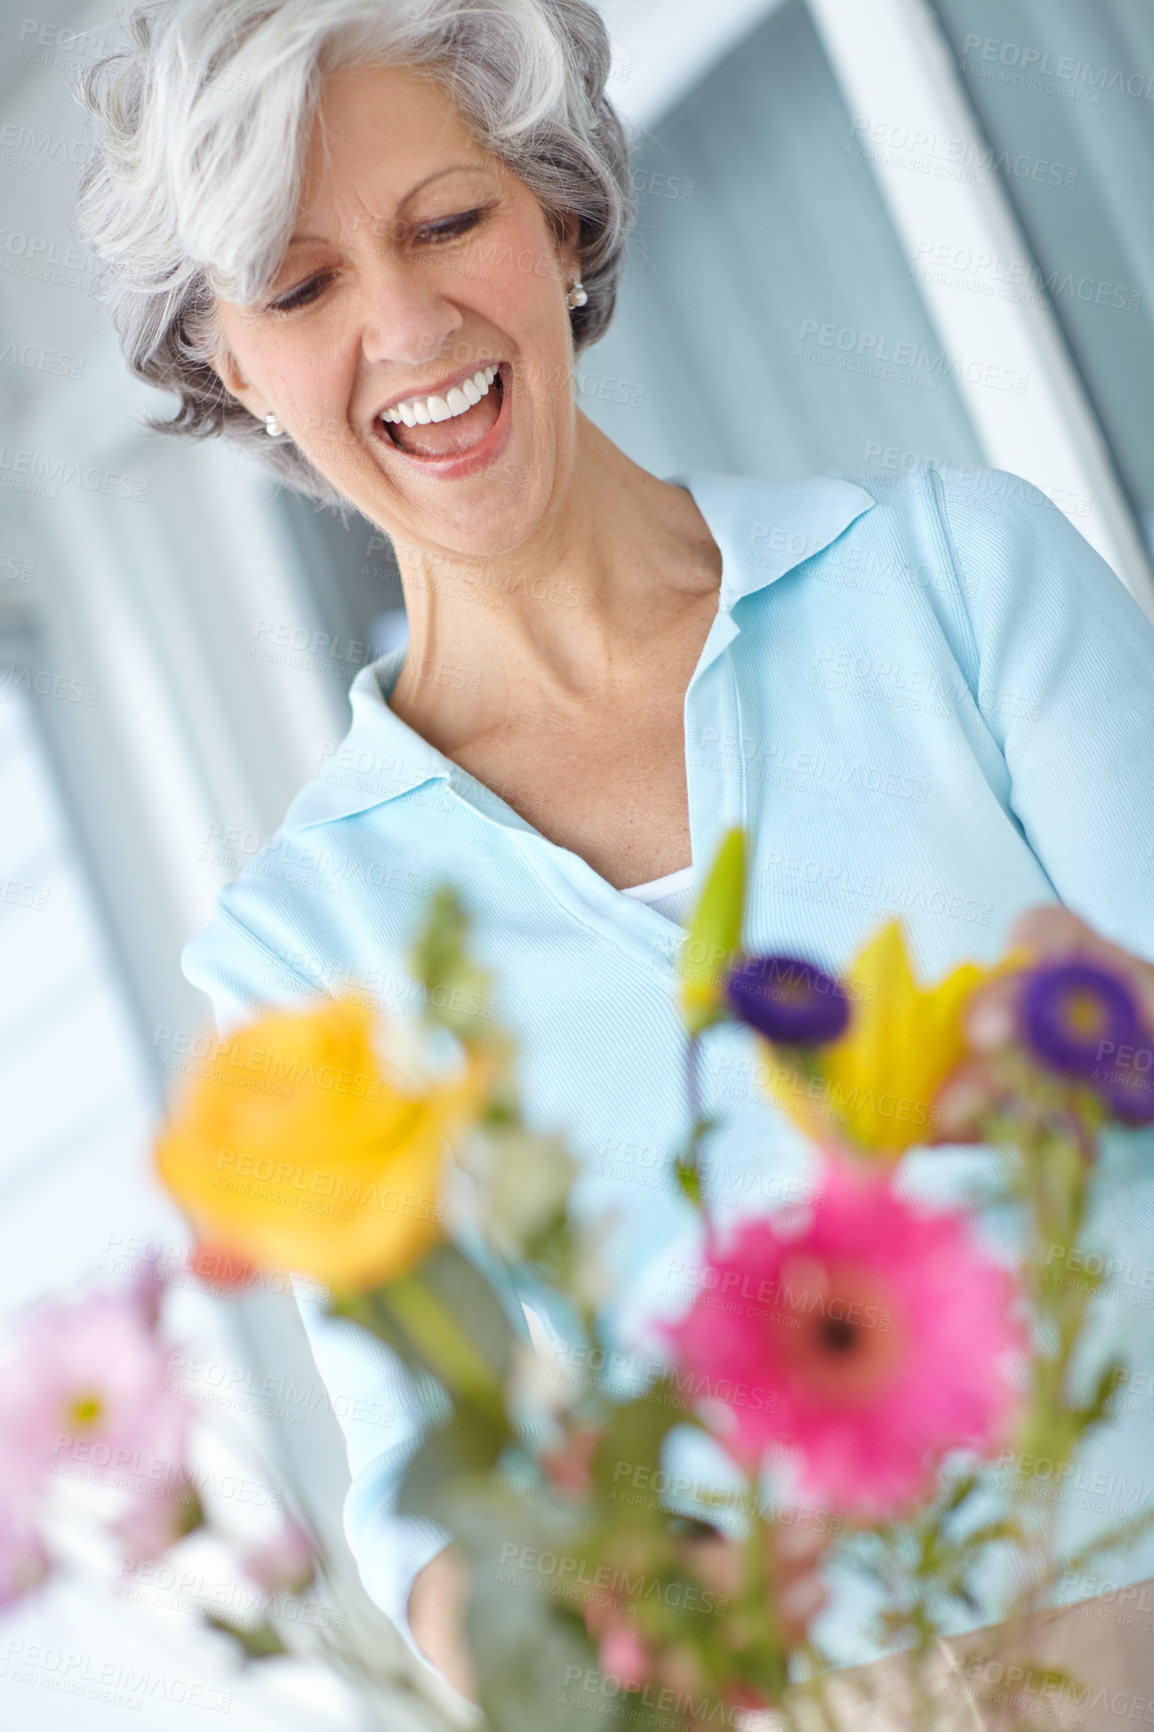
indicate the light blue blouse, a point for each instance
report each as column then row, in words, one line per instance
column 922, row 694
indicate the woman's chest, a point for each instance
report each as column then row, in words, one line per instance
column 609, row 787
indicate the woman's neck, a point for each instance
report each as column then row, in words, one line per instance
column 619, row 559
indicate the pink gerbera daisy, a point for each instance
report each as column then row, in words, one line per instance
column 876, row 1337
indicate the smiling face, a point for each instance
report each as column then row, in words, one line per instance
column 424, row 281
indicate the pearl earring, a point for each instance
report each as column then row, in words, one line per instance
column 578, row 296
column 272, row 426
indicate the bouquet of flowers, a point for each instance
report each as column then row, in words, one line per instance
column 877, row 1357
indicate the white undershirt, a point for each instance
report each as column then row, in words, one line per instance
column 671, row 895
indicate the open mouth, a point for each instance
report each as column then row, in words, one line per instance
column 443, row 429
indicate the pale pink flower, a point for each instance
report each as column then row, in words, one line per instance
column 871, row 1340
column 156, row 1518
column 87, row 1380
column 284, row 1564
column 24, row 1561
column 622, row 1654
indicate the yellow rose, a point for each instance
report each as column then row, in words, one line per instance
column 295, row 1151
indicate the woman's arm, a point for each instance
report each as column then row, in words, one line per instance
column 1063, row 675
column 437, row 1619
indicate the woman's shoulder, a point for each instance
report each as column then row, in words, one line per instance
column 973, row 518
column 994, row 539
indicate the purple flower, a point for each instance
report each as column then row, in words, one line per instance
column 1073, row 1012
column 1130, row 1090
column 787, row 1000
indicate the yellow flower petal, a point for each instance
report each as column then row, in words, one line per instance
column 712, row 944
column 879, row 1080
column 295, row 1151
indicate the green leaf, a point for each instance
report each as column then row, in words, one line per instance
column 689, row 1179
column 634, row 1436
column 714, row 940
column 456, row 987
column 446, row 1319
column 465, row 1449
column 1109, row 1379
column 536, row 1666
column 1118, row 1538
column 257, row 1642
column 958, row 1493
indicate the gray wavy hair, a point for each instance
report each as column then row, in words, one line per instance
column 195, row 175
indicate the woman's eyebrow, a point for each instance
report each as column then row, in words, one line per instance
column 453, row 168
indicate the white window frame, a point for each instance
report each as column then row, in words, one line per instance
column 895, row 70
column 662, row 49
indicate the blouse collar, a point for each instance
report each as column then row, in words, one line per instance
column 763, row 528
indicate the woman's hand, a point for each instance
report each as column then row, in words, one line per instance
column 1051, row 932
column 437, row 1619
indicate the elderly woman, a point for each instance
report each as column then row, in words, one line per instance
column 365, row 239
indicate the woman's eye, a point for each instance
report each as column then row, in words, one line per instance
column 437, row 233
column 433, row 234
column 300, row 297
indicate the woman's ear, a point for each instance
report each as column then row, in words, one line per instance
column 224, row 365
column 227, row 371
column 567, row 234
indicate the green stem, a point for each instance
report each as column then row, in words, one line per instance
column 439, row 1340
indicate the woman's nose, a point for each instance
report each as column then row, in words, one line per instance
column 404, row 314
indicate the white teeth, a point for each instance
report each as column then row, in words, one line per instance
column 420, row 411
